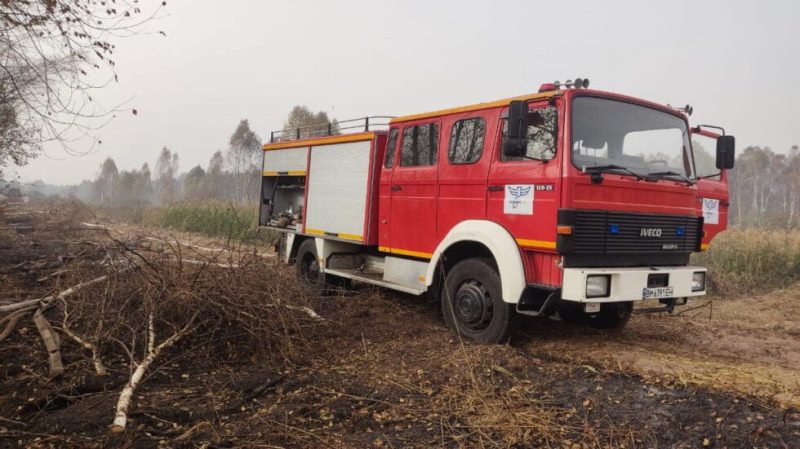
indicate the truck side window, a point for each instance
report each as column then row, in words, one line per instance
column 542, row 135
column 466, row 141
column 391, row 144
column 420, row 145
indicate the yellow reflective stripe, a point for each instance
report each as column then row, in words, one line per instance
column 474, row 107
column 405, row 252
column 537, row 243
column 341, row 235
column 284, row 173
column 319, row 141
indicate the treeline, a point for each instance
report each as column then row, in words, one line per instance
column 765, row 189
column 232, row 175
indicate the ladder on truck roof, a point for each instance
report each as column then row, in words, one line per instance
column 363, row 124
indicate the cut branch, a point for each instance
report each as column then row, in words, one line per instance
column 121, row 416
column 99, row 367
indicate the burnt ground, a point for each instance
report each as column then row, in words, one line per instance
column 382, row 371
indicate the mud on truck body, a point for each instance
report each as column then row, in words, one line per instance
column 569, row 201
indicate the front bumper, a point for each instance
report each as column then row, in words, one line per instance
column 627, row 284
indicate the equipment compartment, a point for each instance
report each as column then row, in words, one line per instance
column 283, row 201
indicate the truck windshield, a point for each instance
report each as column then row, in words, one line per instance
column 624, row 138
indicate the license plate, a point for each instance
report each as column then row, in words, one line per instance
column 657, row 292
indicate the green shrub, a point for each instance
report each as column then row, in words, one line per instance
column 752, row 260
column 238, row 223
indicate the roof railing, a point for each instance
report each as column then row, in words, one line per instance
column 364, row 124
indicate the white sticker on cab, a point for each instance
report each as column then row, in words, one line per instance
column 710, row 211
column 518, row 199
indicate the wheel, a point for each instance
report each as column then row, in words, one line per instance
column 308, row 270
column 613, row 315
column 572, row 314
column 472, row 304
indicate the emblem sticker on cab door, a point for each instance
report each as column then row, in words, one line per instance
column 518, row 199
column 710, row 211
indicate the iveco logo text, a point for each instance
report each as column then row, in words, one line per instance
column 650, row 232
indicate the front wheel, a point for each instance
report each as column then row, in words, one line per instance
column 472, row 303
column 614, row 315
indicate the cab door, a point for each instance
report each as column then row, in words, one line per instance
column 385, row 191
column 412, row 222
column 712, row 185
column 523, row 193
column 464, row 159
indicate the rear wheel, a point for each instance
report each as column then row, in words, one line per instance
column 308, row 269
column 472, row 303
column 613, row 315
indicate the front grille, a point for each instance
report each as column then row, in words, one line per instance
column 606, row 232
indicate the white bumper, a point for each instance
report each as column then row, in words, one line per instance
column 627, row 284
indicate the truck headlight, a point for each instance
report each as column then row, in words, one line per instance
column 698, row 281
column 598, row 285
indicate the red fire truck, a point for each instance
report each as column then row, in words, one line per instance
column 569, row 202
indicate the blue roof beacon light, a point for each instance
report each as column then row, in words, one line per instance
column 613, row 229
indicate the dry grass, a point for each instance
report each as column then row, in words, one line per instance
column 752, row 260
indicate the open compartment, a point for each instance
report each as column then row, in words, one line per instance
column 282, row 201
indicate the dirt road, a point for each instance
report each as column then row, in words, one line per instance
column 749, row 345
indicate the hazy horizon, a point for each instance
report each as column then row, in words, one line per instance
column 218, row 64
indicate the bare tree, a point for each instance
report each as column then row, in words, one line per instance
column 166, row 169
column 54, row 56
column 244, row 157
column 13, row 137
column 106, row 183
column 215, row 176
column 194, row 184
column 302, row 122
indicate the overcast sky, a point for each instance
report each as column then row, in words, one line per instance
column 736, row 62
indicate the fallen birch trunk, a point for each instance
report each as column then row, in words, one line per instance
column 51, row 342
column 47, row 300
column 121, row 415
column 44, row 302
column 95, row 226
column 13, row 320
column 201, row 262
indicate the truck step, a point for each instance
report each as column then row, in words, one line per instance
column 373, row 279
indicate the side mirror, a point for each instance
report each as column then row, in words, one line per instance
column 517, row 143
column 726, row 152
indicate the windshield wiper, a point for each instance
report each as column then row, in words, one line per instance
column 601, row 168
column 664, row 174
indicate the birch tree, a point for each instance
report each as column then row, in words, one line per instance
column 244, row 158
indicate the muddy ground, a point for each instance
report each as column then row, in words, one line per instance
column 382, row 371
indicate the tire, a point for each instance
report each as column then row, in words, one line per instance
column 613, row 316
column 472, row 303
column 572, row 314
column 308, row 271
